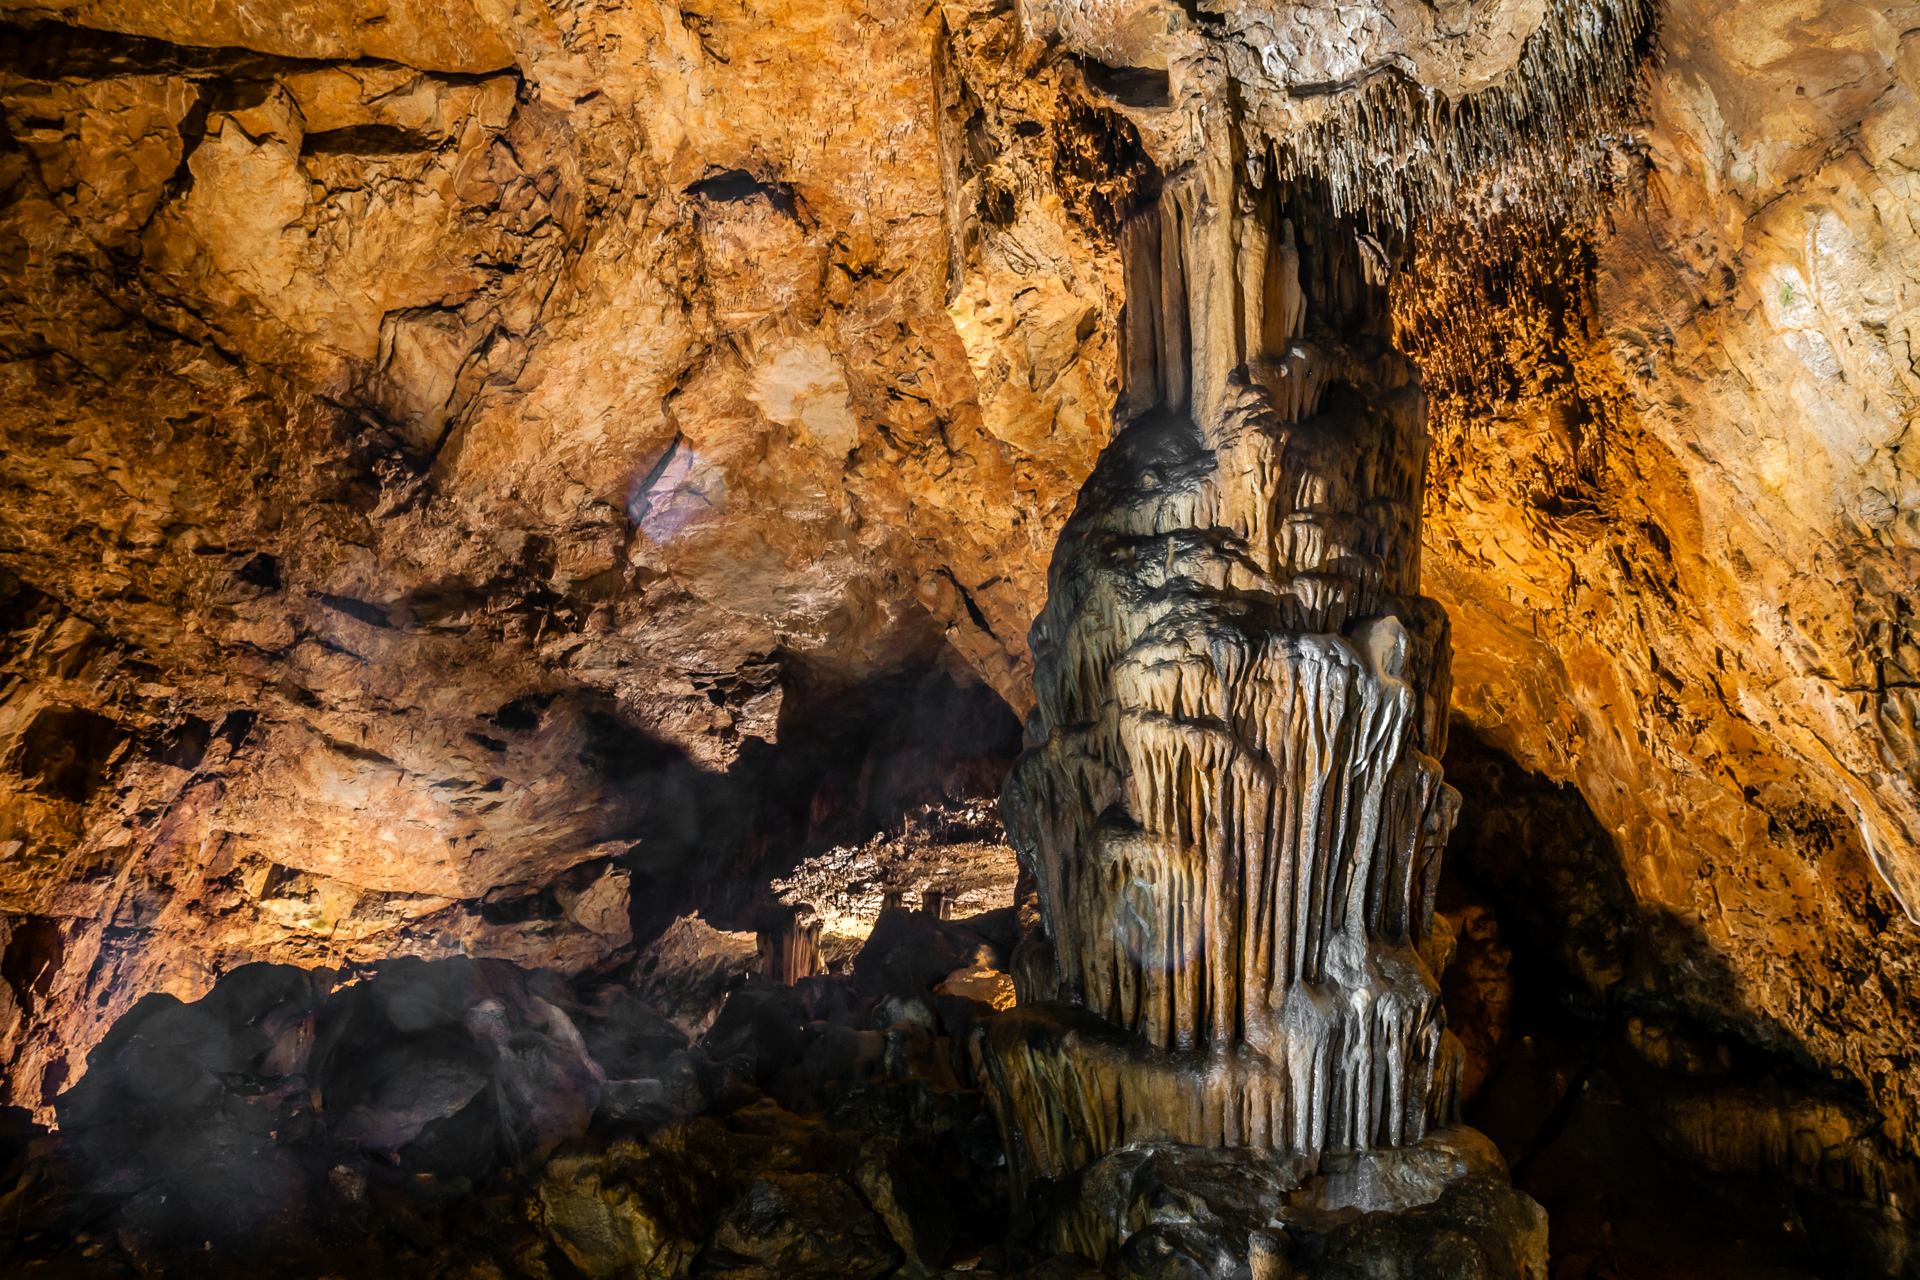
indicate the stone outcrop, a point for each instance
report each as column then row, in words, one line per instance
column 1667, row 524
column 954, row 854
column 285, row 317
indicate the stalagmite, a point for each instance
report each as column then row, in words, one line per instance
column 1232, row 810
column 1291, row 313
column 792, row 951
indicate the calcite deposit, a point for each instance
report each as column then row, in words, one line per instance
column 508, row 484
column 948, row 860
column 1232, row 815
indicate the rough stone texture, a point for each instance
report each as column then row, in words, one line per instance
column 1229, row 813
column 368, row 383
column 954, row 854
column 800, row 1224
column 473, row 1118
column 1196, row 1212
column 570, row 389
column 1673, row 533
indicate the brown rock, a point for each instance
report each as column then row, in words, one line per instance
column 366, row 378
column 800, row 1225
column 909, row 1200
column 628, row 1210
column 1477, row 989
column 1669, row 587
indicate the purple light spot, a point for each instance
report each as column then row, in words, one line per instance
column 673, row 489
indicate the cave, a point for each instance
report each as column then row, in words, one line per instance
column 1221, row 640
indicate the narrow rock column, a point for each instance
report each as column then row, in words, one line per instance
column 792, row 951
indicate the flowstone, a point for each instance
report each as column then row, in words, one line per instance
column 1231, row 816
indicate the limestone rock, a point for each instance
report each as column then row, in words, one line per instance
column 1188, row 1211
column 908, row 1199
column 447, row 453
column 626, row 1037
column 1478, row 1228
column 800, row 1225
column 351, row 284
column 951, row 851
column 980, row 983
column 628, row 1210
column 1755, row 829
column 248, row 1118
column 688, row 970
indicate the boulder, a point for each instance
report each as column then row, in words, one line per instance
column 457, row 1060
column 1478, row 1229
column 800, row 1226
column 911, row 1200
column 625, row 1036
column 626, row 1210
column 909, row 951
column 760, row 1032
column 190, row 1109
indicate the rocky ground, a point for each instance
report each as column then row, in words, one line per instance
column 473, row 1118
column 476, row 1119
column 466, row 1118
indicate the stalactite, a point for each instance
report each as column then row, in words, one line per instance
column 1398, row 153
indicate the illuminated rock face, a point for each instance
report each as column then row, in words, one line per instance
column 364, row 379
column 1233, row 813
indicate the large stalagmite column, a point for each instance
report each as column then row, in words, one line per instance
column 1231, row 810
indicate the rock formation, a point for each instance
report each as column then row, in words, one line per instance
column 1664, row 586
column 512, row 482
column 1233, row 814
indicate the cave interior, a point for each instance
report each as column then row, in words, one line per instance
column 1154, row 639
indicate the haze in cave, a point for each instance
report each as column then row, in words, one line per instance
column 1150, row 639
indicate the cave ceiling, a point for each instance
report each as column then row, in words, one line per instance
column 452, row 455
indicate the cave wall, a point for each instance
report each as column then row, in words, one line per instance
column 525, row 423
column 1679, row 550
column 403, row 420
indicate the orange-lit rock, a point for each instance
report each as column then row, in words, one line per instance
column 1677, row 552
column 403, row 420
column 386, row 441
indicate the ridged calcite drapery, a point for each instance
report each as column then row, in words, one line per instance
column 1232, row 814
